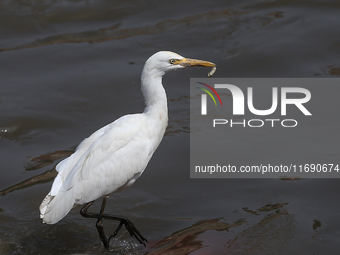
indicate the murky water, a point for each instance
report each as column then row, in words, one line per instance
column 68, row 68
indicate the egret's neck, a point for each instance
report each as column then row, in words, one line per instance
column 154, row 93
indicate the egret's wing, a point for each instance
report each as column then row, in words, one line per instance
column 65, row 166
column 103, row 159
column 82, row 147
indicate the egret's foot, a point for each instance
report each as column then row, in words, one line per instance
column 123, row 221
column 133, row 231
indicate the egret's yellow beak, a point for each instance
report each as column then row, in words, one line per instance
column 194, row 62
column 186, row 62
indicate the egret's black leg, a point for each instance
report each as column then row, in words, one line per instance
column 123, row 221
column 99, row 224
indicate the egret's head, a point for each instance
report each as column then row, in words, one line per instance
column 164, row 61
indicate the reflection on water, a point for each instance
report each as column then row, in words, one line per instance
column 116, row 33
column 187, row 240
column 272, row 233
column 70, row 67
column 37, row 163
column 333, row 70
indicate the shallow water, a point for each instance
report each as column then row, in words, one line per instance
column 70, row 67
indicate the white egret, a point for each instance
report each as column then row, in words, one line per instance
column 113, row 157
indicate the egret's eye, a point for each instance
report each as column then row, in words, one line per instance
column 172, row 61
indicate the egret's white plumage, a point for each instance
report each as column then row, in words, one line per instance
column 113, row 157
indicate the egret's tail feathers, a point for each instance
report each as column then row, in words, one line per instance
column 44, row 205
column 54, row 208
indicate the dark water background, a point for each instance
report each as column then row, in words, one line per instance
column 68, row 68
